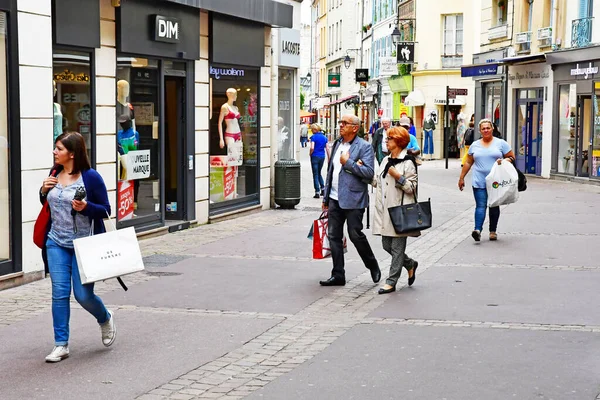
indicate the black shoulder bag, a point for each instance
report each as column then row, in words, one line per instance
column 411, row 218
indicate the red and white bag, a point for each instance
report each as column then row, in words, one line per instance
column 321, row 246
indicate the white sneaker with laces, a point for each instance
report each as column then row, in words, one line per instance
column 59, row 353
column 109, row 330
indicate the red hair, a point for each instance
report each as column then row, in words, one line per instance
column 400, row 136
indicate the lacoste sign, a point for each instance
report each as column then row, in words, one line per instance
column 167, row 29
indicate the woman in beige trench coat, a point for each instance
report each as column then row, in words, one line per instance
column 394, row 180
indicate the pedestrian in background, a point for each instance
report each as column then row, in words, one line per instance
column 468, row 139
column 303, row 134
column 71, row 172
column 349, row 172
column 412, row 148
column 412, row 130
column 318, row 149
column 396, row 183
column 482, row 155
column 379, row 144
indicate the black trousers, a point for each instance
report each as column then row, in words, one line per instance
column 337, row 217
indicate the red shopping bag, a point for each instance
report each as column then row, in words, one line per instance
column 321, row 247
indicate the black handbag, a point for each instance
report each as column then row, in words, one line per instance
column 522, row 186
column 411, row 218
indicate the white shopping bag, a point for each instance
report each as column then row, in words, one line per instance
column 235, row 154
column 108, row 255
column 502, row 184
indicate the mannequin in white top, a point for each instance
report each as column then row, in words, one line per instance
column 124, row 108
column 230, row 115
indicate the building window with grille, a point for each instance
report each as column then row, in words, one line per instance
column 499, row 12
column 452, row 41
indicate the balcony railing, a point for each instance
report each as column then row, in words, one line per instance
column 498, row 32
column 523, row 39
column 581, row 32
column 544, row 36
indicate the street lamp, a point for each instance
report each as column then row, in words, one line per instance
column 347, row 61
column 396, row 36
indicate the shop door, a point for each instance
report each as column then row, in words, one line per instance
column 175, row 162
column 529, row 136
column 583, row 135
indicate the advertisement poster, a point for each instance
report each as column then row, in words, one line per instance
column 138, row 164
column 222, row 179
column 125, row 200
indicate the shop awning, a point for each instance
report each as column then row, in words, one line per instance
column 343, row 100
column 527, row 59
column 478, row 70
column 304, row 114
column 268, row 12
column 579, row 54
column 414, row 99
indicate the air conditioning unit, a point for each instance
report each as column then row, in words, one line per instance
column 511, row 52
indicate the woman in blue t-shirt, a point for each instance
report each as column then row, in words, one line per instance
column 482, row 155
column 318, row 148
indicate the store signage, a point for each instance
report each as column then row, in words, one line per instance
column 289, row 47
column 527, row 75
column 405, row 53
column 452, row 93
column 388, row 66
column 218, row 72
column 138, row 164
column 166, row 29
column 68, row 76
column 334, row 80
column 125, row 200
column 362, row 75
column 585, row 72
column 479, row 70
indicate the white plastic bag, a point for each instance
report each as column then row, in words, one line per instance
column 502, row 184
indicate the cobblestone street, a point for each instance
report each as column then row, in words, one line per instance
column 234, row 310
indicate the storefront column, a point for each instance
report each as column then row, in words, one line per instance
column 202, row 112
column 268, row 119
column 106, row 62
column 35, row 80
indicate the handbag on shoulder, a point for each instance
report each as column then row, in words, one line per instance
column 411, row 218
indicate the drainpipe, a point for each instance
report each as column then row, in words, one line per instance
column 554, row 19
column 274, row 107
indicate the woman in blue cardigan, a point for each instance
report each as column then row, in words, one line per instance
column 72, row 219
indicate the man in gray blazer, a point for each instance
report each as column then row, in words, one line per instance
column 350, row 170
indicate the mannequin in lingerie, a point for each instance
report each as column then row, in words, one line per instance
column 230, row 115
column 58, row 117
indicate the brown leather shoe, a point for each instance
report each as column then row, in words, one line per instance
column 493, row 236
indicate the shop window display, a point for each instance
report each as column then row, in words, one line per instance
column 234, row 126
column 72, row 95
column 5, row 244
column 138, row 141
column 285, row 119
column 566, row 128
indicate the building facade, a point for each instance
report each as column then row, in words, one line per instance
column 145, row 83
column 442, row 48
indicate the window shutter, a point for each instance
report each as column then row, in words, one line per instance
column 584, row 8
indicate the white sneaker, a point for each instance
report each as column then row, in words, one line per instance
column 59, row 353
column 109, row 330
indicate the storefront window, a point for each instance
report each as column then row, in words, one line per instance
column 566, row 128
column 72, row 94
column 493, row 97
column 138, row 139
column 5, row 245
column 285, row 120
column 595, row 172
column 234, row 126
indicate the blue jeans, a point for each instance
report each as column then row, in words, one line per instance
column 317, row 166
column 63, row 269
column 428, row 145
column 481, row 198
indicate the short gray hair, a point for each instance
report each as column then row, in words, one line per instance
column 386, row 119
column 353, row 119
column 486, row 121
